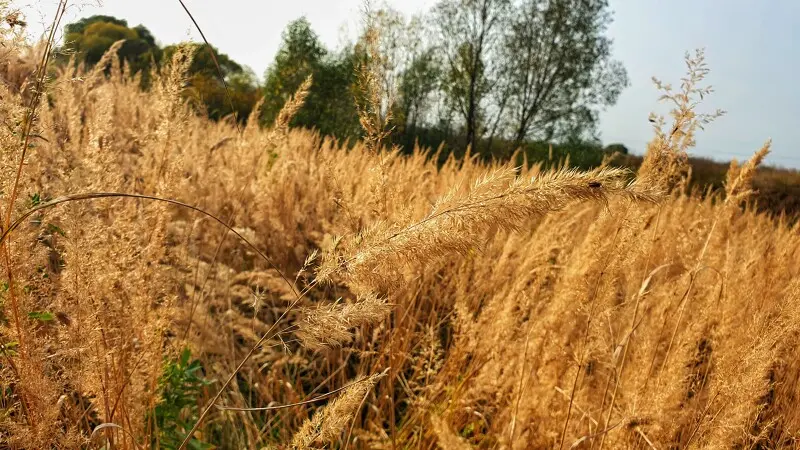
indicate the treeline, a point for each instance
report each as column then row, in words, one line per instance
column 87, row 40
column 495, row 75
column 491, row 74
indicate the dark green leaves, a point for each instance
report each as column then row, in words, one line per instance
column 41, row 316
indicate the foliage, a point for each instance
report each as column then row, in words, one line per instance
column 179, row 387
column 417, row 83
column 616, row 148
column 210, row 93
column 91, row 37
column 329, row 107
column 468, row 33
column 300, row 55
column 203, row 62
column 454, row 78
column 559, row 69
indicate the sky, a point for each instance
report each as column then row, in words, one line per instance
column 752, row 48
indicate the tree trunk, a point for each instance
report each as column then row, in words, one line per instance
column 471, row 135
column 519, row 136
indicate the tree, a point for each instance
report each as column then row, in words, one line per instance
column 91, row 37
column 616, row 148
column 299, row 56
column 395, row 44
column 468, row 35
column 207, row 88
column 203, row 62
column 329, row 106
column 560, row 72
column 417, row 83
column 411, row 67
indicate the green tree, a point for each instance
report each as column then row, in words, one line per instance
column 207, row 89
column 300, row 55
column 329, row 107
column 91, row 37
column 203, row 62
column 331, row 104
column 616, row 148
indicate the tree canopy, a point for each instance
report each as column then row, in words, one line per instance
column 491, row 74
column 208, row 90
column 329, row 106
column 91, row 37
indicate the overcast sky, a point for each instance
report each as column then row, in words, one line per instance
column 752, row 48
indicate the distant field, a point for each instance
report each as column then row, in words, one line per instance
column 777, row 190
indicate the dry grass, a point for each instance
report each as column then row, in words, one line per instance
column 479, row 306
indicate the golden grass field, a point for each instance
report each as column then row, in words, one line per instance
column 359, row 298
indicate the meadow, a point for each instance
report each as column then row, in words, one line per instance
column 175, row 282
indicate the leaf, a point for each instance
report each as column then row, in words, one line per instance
column 185, row 355
column 42, row 316
column 104, row 426
column 9, row 348
column 56, row 229
column 35, row 200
